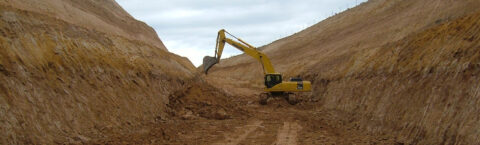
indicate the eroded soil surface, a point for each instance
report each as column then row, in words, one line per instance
column 241, row 120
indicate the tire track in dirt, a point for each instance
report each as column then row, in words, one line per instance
column 240, row 133
column 287, row 135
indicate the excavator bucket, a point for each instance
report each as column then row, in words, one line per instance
column 208, row 62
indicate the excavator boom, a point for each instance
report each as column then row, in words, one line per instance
column 209, row 62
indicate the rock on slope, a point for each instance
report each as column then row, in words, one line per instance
column 72, row 70
column 402, row 67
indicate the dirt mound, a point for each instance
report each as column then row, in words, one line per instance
column 401, row 67
column 69, row 82
column 192, row 114
column 201, row 100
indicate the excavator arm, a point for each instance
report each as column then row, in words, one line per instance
column 209, row 62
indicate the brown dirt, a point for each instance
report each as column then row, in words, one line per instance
column 61, row 82
column 248, row 123
column 287, row 135
column 105, row 16
column 406, row 68
column 385, row 72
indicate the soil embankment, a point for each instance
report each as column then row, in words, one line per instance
column 384, row 72
column 401, row 67
column 66, row 78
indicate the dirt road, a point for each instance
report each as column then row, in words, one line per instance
column 277, row 123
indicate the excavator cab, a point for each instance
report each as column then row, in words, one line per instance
column 272, row 80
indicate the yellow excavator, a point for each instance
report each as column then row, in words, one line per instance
column 274, row 84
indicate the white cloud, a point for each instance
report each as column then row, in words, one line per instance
column 189, row 27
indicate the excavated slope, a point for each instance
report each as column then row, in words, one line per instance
column 72, row 70
column 406, row 68
column 101, row 15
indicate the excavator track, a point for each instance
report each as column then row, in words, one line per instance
column 291, row 98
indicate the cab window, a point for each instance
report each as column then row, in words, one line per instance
column 272, row 80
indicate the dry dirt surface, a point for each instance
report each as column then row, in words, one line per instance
column 61, row 82
column 234, row 120
column 407, row 68
column 100, row 15
column 385, row 72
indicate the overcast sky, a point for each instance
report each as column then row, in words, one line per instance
column 189, row 27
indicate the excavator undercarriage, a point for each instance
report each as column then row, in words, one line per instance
column 292, row 98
